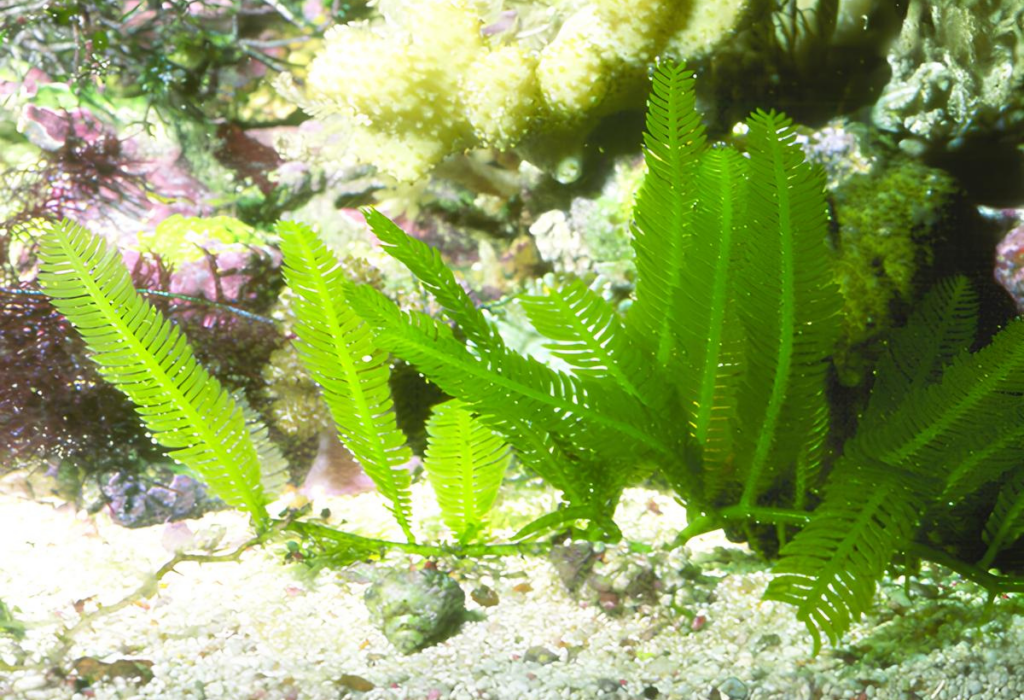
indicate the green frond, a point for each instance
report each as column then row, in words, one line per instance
column 273, row 465
column 709, row 345
column 663, row 212
column 425, row 262
column 985, row 459
column 150, row 361
column 894, row 468
column 513, row 393
column 975, row 434
column 942, row 325
column 1006, row 523
column 589, row 336
column 549, row 458
column 550, row 521
column 335, row 548
column 465, row 462
column 338, row 350
column 830, row 570
column 789, row 309
column 974, row 405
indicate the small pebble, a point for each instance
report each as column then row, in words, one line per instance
column 540, row 655
column 734, row 688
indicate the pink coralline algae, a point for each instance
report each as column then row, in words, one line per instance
column 1009, row 270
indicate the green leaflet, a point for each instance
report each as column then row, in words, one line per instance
column 425, row 262
column 337, row 349
column 465, row 462
column 150, row 360
column 587, row 333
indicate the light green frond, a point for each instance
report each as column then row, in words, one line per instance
column 590, row 337
column 509, row 390
column 830, row 570
column 338, row 350
column 150, row 360
column 273, row 465
column 789, row 311
column 663, row 212
column 706, row 290
column 425, row 262
column 465, row 462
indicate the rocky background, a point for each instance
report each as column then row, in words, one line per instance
column 506, row 133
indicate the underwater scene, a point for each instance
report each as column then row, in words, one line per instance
column 512, row 349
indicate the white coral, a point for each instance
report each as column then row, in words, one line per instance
column 424, row 81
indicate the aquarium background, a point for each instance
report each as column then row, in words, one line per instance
column 510, row 136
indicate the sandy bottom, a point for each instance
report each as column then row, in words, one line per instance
column 263, row 629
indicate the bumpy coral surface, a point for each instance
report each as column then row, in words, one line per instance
column 957, row 71
column 432, row 77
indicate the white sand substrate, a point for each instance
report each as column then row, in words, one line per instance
column 261, row 629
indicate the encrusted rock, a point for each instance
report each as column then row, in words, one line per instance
column 611, row 580
column 416, row 609
column 141, row 500
column 956, row 74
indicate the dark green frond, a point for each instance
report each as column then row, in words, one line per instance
column 830, row 570
column 150, row 360
column 338, row 350
column 465, row 462
column 789, row 307
column 943, row 325
column 976, row 403
column 985, row 459
column 894, row 470
column 663, row 212
column 972, row 436
column 1006, row 523
column 425, row 262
